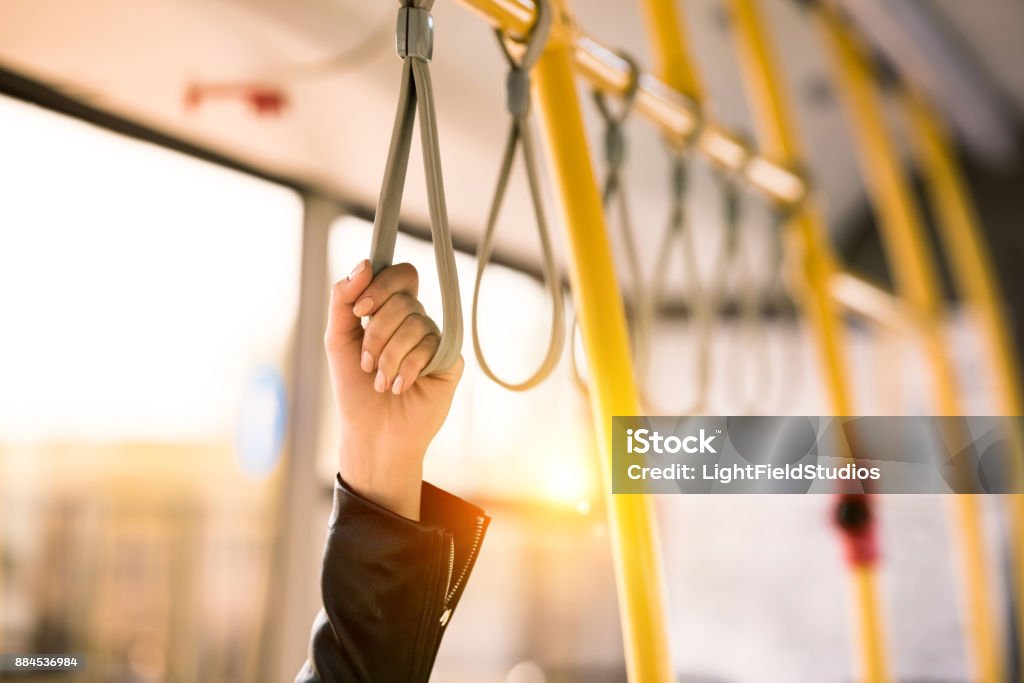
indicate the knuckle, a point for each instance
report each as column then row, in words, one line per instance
column 408, row 270
column 421, row 355
column 422, row 323
column 372, row 338
column 427, row 347
column 414, row 321
column 406, row 304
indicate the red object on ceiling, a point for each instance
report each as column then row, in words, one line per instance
column 264, row 100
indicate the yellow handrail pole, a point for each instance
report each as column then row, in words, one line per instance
column 960, row 231
column 777, row 135
column 774, row 131
column 914, row 272
column 964, row 245
column 602, row 321
column 674, row 65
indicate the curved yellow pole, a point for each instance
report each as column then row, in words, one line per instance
column 960, row 231
column 913, row 269
column 778, row 140
column 602, row 320
column 963, row 242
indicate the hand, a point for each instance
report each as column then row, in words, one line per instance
column 389, row 414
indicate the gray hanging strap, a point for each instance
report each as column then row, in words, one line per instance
column 613, row 191
column 678, row 229
column 520, row 131
column 415, row 37
column 615, row 155
column 735, row 258
column 790, row 380
column 614, row 129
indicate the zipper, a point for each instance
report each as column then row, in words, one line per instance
column 451, row 565
column 452, row 589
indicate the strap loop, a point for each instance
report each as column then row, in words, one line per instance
column 615, row 158
column 414, row 39
column 521, row 134
column 790, row 381
column 614, row 124
column 734, row 259
column 678, row 230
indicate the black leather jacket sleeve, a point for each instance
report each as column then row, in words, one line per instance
column 389, row 587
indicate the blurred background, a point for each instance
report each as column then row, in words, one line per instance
column 181, row 181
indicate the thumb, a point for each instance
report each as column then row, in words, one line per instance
column 344, row 328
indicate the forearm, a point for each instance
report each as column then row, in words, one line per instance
column 392, row 481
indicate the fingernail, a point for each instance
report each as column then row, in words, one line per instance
column 363, row 306
column 396, row 388
column 360, row 267
column 366, row 362
column 380, row 383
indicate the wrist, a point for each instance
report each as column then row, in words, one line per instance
column 390, row 480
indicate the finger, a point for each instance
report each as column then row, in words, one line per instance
column 401, row 277
column 342, row 324
column 383, row 324
column 406, row 338
column 414, row 362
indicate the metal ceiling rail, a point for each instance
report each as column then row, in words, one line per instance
column 677, row 115
column 857, row 295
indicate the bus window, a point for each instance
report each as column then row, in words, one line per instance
column 144, row 293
